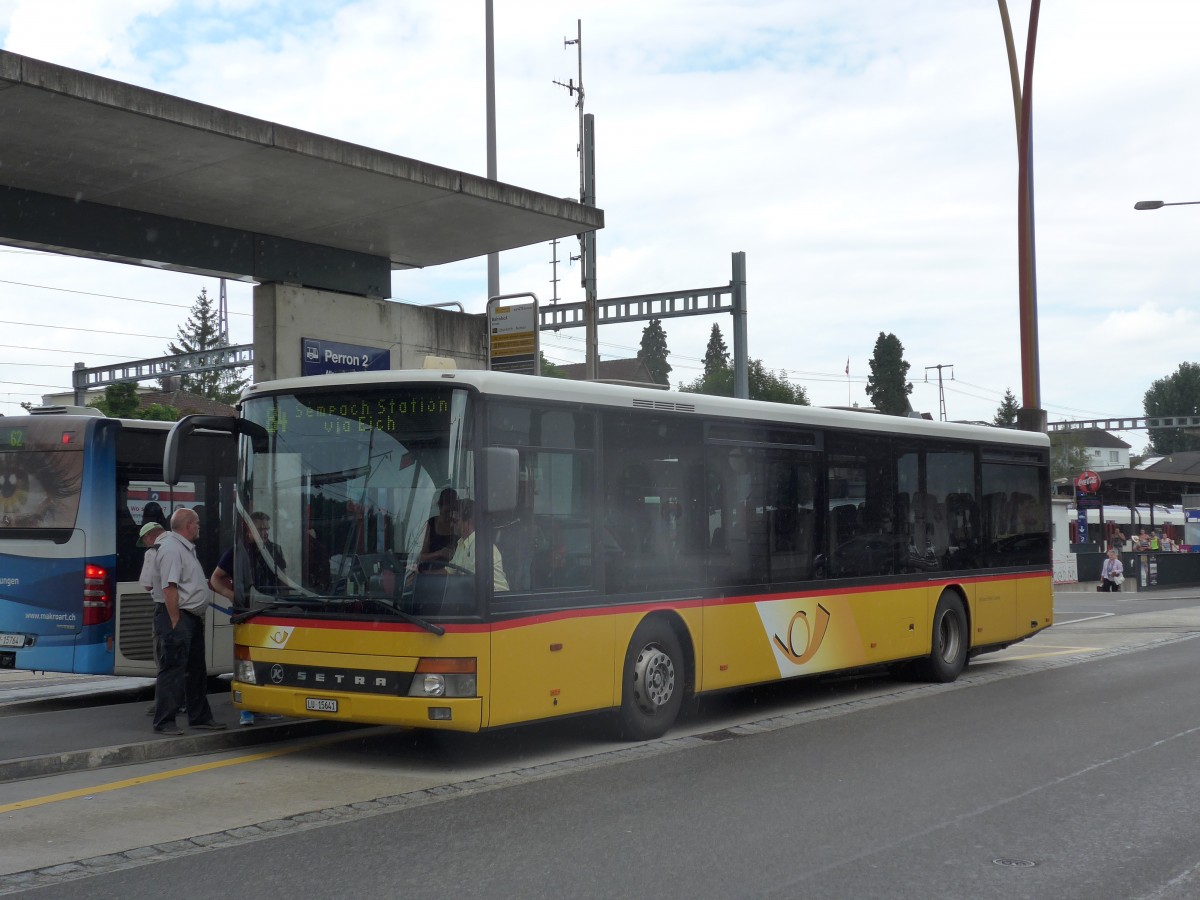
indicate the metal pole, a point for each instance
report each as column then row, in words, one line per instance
column 592, row 359
column 493, row 260
column 1031, row 417
column 79, row 384
column 741, row 373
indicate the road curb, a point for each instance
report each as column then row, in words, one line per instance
column 163, row 748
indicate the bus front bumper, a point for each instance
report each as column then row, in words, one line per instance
column 446, row 713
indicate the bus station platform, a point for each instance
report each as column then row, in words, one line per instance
column 52, row 723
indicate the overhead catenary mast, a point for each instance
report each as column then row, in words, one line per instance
column 941, row 390
column 587, row 196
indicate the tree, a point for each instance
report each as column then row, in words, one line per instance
column 763, row 384
column 716, row 355
column 1175, row 395
column 1068, row 456
column 887, row 385
column 1006, row 413
column 120, row 401
column 549, row 369
column 653, row 352
column 202, row 332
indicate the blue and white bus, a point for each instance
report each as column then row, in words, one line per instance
column 75, row 488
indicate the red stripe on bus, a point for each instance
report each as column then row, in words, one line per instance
column 647, row 607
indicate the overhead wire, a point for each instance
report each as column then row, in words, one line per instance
column 678, row 360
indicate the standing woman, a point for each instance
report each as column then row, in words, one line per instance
column 441, row 534
column 1112, row 573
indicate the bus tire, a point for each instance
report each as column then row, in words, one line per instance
column 948, row 653
column 652, row 682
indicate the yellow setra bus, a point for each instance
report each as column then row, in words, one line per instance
column 645, row 547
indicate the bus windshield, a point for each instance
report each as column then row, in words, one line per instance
column 337, row 504
column 41, row 466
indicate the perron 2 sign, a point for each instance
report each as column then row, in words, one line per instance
column 320, row 357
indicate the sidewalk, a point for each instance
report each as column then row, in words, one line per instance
column 52, row 723
column 1130, row 589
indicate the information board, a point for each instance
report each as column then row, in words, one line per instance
column 513, row 335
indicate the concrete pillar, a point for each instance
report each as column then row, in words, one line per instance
column 285, row 314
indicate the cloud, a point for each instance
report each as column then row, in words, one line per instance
column 862, row 155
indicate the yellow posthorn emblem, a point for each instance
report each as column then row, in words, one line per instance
column 814, row 634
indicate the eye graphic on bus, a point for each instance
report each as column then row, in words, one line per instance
column 33, row 486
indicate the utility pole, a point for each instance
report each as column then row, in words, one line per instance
column 941, row 391
column 587, row 196
column 489, row 53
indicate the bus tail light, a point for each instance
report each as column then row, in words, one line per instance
column 97, row 595
column 444, row 677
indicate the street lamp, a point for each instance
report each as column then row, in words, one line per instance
column 1158, row 204
column 1031, row 417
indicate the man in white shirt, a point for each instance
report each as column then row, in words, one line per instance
column 179, row 628
column 463, row 560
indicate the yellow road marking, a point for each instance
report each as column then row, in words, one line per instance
column 1060, row 651
column 175, row 773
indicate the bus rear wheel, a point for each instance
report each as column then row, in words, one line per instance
column 652, row 683
column 948, row 655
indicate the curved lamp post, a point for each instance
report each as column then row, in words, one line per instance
column 1031, row 416
column 1159, row 204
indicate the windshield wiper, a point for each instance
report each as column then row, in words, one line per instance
column 247, row 614
column 410, row 618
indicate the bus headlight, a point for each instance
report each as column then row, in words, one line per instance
column 443, row 678
column 243, row 671
column 438, row 685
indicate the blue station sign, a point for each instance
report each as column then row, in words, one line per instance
column 321, row 357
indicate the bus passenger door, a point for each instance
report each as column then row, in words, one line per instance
column 552, row 654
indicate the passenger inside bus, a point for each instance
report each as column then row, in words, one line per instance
column 441, row 534
column 153, row 512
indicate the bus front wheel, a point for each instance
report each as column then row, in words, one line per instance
column 652, row 684
column 948, row 655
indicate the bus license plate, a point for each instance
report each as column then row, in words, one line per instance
column 317, row 704
column 12, row 640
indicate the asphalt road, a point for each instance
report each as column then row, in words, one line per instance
column 1064, row 767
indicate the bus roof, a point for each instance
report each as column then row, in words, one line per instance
column 651, row 398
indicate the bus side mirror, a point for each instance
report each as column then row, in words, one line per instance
column 180, row 431
column 502, row 472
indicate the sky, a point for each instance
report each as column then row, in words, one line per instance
column 862, row 153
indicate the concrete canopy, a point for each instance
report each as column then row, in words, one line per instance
column 96, row 167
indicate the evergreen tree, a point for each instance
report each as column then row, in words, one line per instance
column 202, row 332
column 1175, row 395
column 1006, row 413
column 716, row 355
column 888, row 385
column 653, row 352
